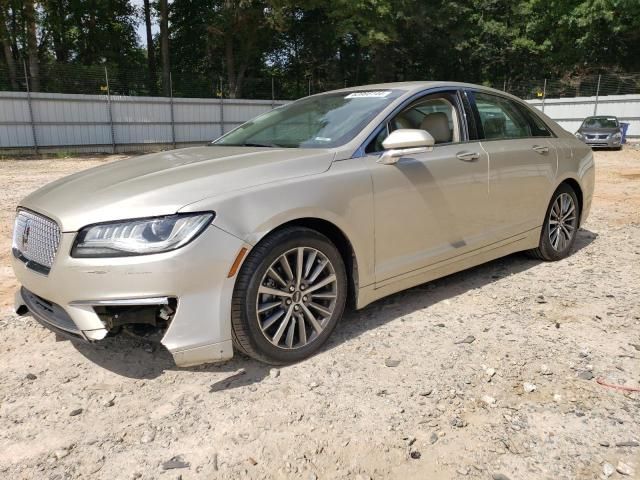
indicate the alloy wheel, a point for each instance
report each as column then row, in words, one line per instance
column 296, row 298
column 562, row 222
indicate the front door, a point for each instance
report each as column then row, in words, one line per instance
column 430, row 206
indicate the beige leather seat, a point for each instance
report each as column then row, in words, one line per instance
column 437, row 124
column 402, row 122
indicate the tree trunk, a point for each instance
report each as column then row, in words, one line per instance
column 231, row 64
column 32, row 44
column 60, row 47
column 151, row 56
column 164, row 46
column 6, row 48
column 240, row 79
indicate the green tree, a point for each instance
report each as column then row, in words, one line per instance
column 5, row 40
column 32, row 44
column 151, row 54
column 164, row 46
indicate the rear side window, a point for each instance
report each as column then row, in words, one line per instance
column 500, row 118
column 538, row 127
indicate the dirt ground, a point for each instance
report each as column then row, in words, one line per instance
column 395, row 394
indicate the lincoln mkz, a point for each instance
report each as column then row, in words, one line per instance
column 258, row 241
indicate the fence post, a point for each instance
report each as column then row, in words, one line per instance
column 273, row 94
column 173, row 123
column 30, row 106
column 595, row 107
column 113, row 133
column 221, row 109
column 544, row 94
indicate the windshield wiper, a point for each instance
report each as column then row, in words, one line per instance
column 266, row 145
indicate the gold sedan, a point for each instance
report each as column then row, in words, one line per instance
column 258, row 240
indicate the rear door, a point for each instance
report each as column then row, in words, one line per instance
column 522, row 162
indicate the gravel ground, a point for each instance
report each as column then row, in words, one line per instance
column 489, row 373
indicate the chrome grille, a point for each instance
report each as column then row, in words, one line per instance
column 35, row 239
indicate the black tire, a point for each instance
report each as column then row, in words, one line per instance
column 247, row 334
column 546, row 251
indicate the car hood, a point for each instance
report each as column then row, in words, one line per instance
column 162, row 183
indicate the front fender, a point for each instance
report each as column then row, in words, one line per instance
column 342, row 196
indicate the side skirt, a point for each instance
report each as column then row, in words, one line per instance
column 525, row 241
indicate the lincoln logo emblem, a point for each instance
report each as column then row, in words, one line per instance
column 25, row 235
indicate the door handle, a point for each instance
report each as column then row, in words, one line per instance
column 468, row 156
column 541, row 149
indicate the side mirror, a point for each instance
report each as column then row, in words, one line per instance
column 405, row 141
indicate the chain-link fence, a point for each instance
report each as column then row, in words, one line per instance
column 574, row 86
column 96, row 80
column 81, row 79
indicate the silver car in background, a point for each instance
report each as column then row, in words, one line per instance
column 259, row 240
column 601, row 131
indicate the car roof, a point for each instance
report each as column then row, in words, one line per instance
column 417, row 86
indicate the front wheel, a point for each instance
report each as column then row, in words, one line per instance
column 560, row 226
column 289, row 296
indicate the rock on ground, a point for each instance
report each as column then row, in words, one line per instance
column 343, row 413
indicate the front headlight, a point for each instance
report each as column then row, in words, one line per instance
column 617, row 136
column 141, row 236
column 579, row 136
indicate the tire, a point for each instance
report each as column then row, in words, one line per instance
column 253, row 309
column 556, row 243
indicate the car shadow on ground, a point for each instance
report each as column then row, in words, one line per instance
column 133, row 358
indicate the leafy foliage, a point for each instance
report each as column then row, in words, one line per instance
column 216, row 46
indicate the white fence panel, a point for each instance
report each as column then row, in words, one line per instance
column 102, row 123
column 119, row 123
column 569, row 112
column 15, row 126
column 197, row 119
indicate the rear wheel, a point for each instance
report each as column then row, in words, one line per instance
column 560, row 226
column 289, row 296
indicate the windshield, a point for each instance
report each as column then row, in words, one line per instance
column 321, row 121
column 600, row 122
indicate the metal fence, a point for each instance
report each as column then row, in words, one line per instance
column 93, row 109
column 573, row 86
column 41, row 122
column 96, row 80
column 570, row 112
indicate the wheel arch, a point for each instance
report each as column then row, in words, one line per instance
column 341, row 241
column 575, row 185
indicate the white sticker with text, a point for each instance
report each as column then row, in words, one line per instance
column 376, row 94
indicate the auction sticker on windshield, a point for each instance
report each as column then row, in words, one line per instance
column 378, row 94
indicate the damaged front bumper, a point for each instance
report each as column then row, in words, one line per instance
column 185, row 295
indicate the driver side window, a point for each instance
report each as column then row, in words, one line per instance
column 436, row 114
